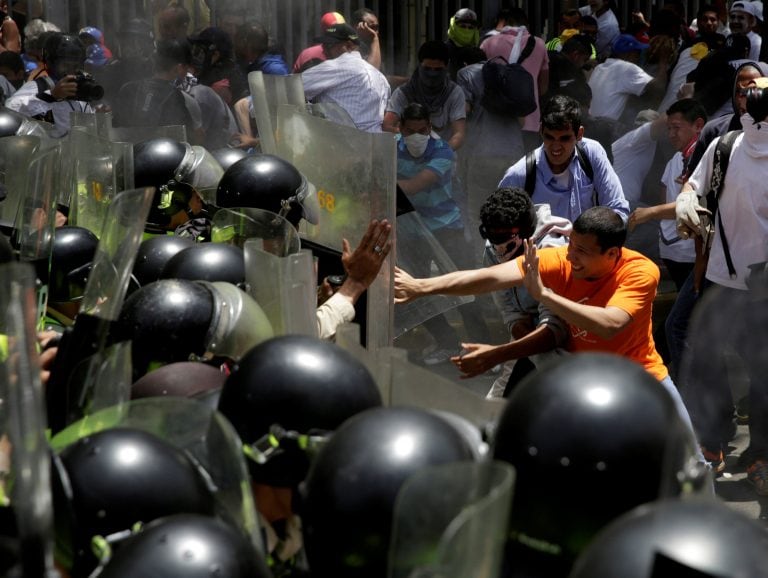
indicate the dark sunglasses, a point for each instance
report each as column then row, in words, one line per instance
column 498, row 238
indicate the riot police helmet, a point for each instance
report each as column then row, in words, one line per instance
column 593, row 423
column 207, row 262
column 268, row 182
column 154, row 253
column 294, row 383
column 72, row 256
column 188, row 545
column 348, row 498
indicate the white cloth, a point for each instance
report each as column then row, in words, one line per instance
column 671, row 246
column 612, row 82
column 743, row 204
column 335, row 311
column 25, row 101
column 632, row 158
column 354, row 85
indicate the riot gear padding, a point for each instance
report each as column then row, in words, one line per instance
column 186, row 545
column 63, row 54
column 71, row 259
column 167, row 321
column 693, row 537
column 228, row 156
column 10, row 122
column 207, row 262
column 112, row 479
column 154, row 253
column 603, row 428
column 156, row 161
column 349, row 495
column 180, row 379
column 270, row 183
column 300, row 384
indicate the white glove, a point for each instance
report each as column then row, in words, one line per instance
column 687, row 209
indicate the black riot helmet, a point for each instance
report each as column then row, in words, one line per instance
column 348, row 498
column 299, row 384
column 207, row 262
column 270, row 183
column 228, row 156
column 63, row 54
column 180, row 379
column 10, row 122
column 180, row 320
column 677, row 537
column 72, row 256
column 187, row 545
column 156, row 161
column 154, row 253
column 107, row 481
column 590, row 438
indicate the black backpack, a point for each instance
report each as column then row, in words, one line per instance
column 509, row 89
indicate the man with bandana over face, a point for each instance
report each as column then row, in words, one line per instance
column 431, row 87
column 508, row 216
column 463, row 39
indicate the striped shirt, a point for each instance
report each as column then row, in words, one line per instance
column 354, row 85
column 435, row 205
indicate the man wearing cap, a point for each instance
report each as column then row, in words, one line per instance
column 314, row 54
column 463, row 38
column 347, row 80
column 613, row 81
column 742, row 19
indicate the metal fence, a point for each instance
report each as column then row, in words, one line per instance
column 293, row 24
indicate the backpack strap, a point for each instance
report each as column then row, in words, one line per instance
column 586, row 166
column 530, row 172
column 529, row 46
column 719, row 168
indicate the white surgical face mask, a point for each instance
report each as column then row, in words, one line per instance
column 416, row 144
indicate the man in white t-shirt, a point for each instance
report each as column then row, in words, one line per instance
column 620, row 77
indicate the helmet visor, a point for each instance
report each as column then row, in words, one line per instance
column 310, row 205
column 200, row 169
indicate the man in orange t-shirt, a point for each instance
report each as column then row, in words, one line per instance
column 602, row 290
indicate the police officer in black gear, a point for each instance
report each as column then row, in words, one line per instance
column 72, row 255
column 108, row 481
column 602, row 428
column 188, row 545
column 228, row 156
column 154, row 253
column 159, row 160
column 349, row 494
column 288, row 389
column 677, row 537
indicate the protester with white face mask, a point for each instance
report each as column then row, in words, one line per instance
column 424, row 174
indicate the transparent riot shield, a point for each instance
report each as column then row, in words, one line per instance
column 268, row 92
column 354, row 173
column 200, row 169
column 97, row 125
column 200, row 431
column 450, row 521
column 24, row 458
column 403, row 383
column 95, row 173
column 284, row 287
column 16, row 153
column 419, row 253
column 236, row 226
column 137, row 134
column 102, row 300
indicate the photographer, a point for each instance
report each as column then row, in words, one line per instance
column 60, row 87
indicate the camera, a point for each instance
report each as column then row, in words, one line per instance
column 87, row 88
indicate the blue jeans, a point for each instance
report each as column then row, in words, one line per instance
column 676, row 324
